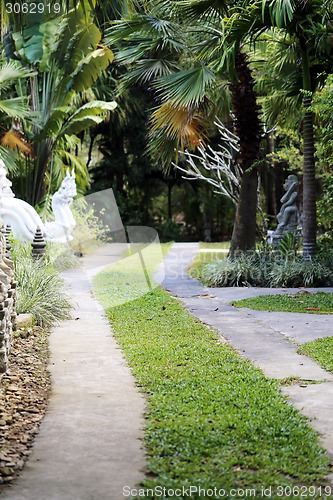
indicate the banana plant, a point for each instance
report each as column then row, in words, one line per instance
column 12, row 109
column 67, row 57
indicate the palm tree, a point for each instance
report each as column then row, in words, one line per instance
column 308, row 25
column 182, row 66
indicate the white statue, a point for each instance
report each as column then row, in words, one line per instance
column 60, row 229
column 24, row 219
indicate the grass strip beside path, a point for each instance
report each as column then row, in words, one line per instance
column 321, row 350
column 301, row 302
column 213, row 420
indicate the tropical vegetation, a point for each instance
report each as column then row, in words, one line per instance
column 133, row 95
column 61, row 56
column 178, row 66
column 222, row 42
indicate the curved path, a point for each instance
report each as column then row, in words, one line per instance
column 89, row 447
column 269, row 339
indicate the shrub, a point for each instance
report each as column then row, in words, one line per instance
column 39, row 285
column 300, row 273
column 39, row 292
column 61, row 256
column 266, row 270
column 89, row 231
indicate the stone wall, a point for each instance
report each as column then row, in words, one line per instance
column 7, row 304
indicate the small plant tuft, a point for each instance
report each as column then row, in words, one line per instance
column 39, row 287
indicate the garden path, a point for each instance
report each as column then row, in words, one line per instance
column 88, row 446
column 268, row 339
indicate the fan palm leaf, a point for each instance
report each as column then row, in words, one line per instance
column 186, row 88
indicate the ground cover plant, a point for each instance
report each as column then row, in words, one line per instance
column 300, row 302
column 208, row 252
column 263, row 269
column 321, row 350
column 212, row 418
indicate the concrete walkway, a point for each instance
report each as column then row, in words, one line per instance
column 270, row 340
column 89, row 447
column 89, row 444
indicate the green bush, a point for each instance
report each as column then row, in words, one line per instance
column 39, row 287
column 245, row 270
column 39, row 292
column 300, row 273
column 265, row 270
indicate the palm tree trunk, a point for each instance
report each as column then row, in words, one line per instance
column 247, row 126
column 309, row 220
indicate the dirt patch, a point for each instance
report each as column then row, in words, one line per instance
column 24, row 392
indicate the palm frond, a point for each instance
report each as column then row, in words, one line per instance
column 281, row 12
column 179, row 123
column 64, row 160
column 9, row 157
column 90, row 114
column 89, row 68
column 13, row 140
column 16, row 107
column 10, row 72
column 147, row 70
column 199, row 10
column 186, row 88
column 141, row 27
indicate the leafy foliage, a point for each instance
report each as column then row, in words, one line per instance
column 265, row 270
column 66, row 56
column 12, row 108
column 39, row 290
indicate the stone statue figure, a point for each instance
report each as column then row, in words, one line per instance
column 287, row 217
column 60, row 229
column 24, row 219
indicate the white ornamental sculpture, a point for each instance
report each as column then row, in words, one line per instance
column 24, row 219
column 60, row 229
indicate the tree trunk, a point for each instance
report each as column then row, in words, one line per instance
column 43, row 154
column 309, row 220
column 247, row 127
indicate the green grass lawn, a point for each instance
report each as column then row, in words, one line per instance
column 301, row 302
column 223, row 245
column 321, row 350
column 213, row 420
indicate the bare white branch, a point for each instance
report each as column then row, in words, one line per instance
column 221, row 166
